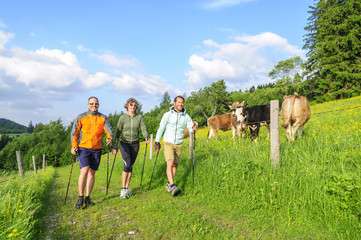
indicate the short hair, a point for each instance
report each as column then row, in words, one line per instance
column 130, row 100
column 179, row 96
column 93, row 97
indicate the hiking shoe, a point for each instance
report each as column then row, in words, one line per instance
column 79, row 203
column 167, row 187
column 175, row 191
column 129, row 193
column 123, row 193
column 88, row 202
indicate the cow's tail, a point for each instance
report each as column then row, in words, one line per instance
column 287, row 121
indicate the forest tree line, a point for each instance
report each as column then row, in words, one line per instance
column 331, row 71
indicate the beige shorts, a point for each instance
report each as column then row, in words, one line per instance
column 172, row 151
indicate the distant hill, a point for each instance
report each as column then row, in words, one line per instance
column 8, row 126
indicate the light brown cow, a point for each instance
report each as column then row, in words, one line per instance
column 295, row 113
column 224, row 122
column 186, row 132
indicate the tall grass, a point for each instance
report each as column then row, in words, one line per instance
column 313, row 193
column 22, row 204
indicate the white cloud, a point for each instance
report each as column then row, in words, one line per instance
column 42, row 69
column 83, row 49
column 271, row 40
column 4, row 38
column 112, row 60
column 141, row 84
column 223, row 3
column 241, row 64
column 97, row 80
column 130, row 78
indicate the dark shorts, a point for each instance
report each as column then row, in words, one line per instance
column 129, row 154
column 89, row 157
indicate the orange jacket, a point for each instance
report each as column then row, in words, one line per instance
column 88, row 129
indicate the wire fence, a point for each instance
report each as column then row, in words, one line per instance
column 335, row 110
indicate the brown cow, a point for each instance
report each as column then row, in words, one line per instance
column 295, row 113
column 224, row 122
column 186, row 132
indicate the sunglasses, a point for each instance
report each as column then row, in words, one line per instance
column 93, row 103
column 132, row 104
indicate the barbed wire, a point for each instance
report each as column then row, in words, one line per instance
column 317, row 113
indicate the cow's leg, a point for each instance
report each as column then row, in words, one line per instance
column 233, row 132
column 257, row 131
column 210, row 133
column 288, row 132
column 294, row 128
column 244, row 132
column 238, row 130
column 300, row 131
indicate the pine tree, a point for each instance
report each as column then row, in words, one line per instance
column 334, row 43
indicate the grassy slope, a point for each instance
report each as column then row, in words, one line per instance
column 313, row 194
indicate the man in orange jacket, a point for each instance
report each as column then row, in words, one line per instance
column 86, row 140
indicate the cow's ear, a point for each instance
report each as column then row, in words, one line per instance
column 242, row 103
column 230, row 107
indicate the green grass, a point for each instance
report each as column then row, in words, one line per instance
column 23, row 204
column 314, row 193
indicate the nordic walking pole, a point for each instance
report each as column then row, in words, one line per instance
column 108, row 183
column 108, row 160
column 71, row 170
column 146, row 145
column 153, row 169
column 194, row 153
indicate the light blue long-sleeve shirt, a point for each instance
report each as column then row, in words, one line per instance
column 172, row 125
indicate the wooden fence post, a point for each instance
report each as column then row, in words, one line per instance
column 275, row 133
column 191, row 142
column 20, row 163
column 34, row 164
column 43, row 162
column 151, row 146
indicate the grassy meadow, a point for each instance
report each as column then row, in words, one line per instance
column 314, row 193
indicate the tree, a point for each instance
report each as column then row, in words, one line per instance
column 30, row 127
column 334, row 44
column 209, row 101
column 288, row 74
column 166, row 101
column 4, row 139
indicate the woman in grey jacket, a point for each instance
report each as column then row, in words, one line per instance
column 128, row 125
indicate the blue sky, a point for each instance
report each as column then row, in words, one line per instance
column 56, row 54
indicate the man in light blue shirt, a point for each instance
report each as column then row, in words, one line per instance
column 172, row 126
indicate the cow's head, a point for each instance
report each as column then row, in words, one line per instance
column 239, row 111
column 235, row 106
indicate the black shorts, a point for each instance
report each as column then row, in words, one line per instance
column 129, row 154
column 89, row 157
